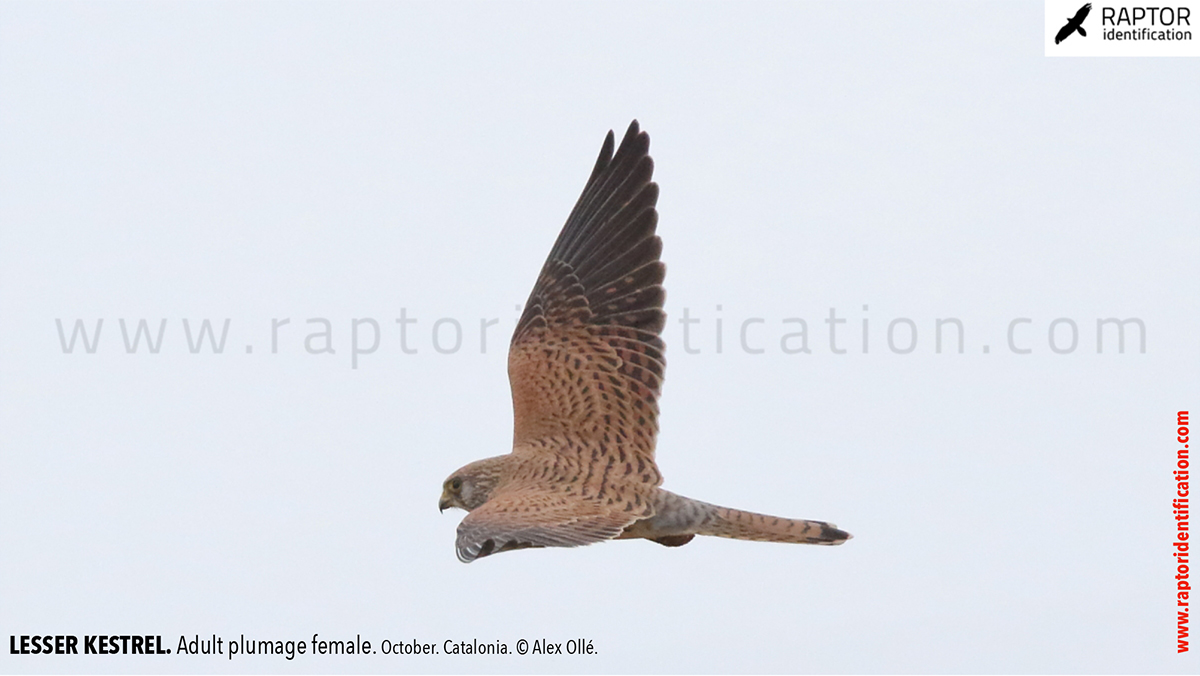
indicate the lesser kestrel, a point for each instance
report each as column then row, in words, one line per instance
column 586, row 367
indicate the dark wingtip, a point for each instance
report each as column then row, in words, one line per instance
column 606, row 154
column 635, row 136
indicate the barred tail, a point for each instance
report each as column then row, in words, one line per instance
column 678, row 519
column 739, row 525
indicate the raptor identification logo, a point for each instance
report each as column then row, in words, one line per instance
column 1076, row 28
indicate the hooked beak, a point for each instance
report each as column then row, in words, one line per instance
column 443, row 503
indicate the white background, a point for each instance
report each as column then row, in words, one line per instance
column 1128, row 16
column 257, row 161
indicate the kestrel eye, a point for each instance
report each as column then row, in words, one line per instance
column 455, row 484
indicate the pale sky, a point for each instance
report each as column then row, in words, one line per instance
column 897, row 164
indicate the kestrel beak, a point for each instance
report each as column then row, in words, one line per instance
column 444, row 502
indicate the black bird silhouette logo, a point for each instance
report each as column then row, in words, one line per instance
column 1075, row 23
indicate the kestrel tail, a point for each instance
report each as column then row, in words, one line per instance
column 586, row 367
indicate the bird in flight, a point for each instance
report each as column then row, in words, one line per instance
column 1074, row 23
column 586, row 367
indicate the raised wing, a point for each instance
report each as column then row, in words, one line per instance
column 586, row 359
column 1081, row 14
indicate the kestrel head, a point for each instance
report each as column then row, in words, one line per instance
column 471, row 486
